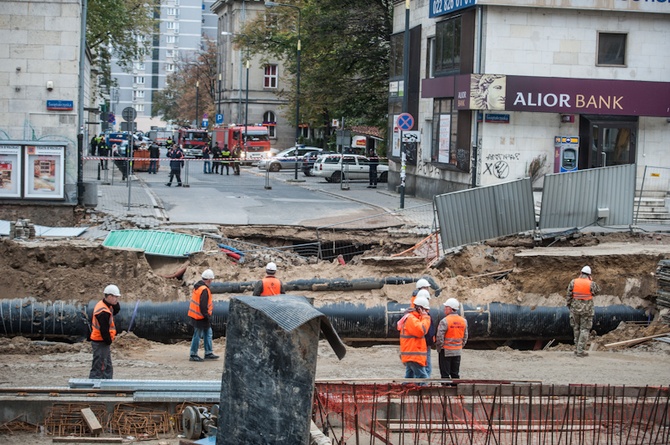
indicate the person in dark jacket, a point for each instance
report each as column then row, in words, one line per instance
column 154, row 154
column 176, row 155
column 373, row 162
column 103, row 332
column 216, row 154
column 200, row 314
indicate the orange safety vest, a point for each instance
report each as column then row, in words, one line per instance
column 453, row 338
column 581, row 290
column 194, row 306
column 271, row 286
column 413, row 346
column 96, row 335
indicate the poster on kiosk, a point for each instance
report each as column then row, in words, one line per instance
column 44, row 172
column 566, row 153
column 10, row 171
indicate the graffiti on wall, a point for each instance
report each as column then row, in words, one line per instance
column 497, row 164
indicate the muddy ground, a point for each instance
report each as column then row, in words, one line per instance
column 517, row 270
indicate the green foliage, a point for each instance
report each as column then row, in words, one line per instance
column 344, row 57
column 113, row 27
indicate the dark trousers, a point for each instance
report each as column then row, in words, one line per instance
column 225, row 164
column 176, row 173
column 216, row 165
column 101, row 368
column 236, row 167
column 450, row 366
column 153, row 166
column 373, row 175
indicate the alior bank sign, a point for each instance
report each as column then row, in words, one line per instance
column 561, row 95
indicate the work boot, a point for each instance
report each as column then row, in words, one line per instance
column 179, row 185
column 211, row 356
column 196, row 358
column 169, row 184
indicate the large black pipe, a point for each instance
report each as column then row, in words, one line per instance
column 168, row 322
column 324, row 284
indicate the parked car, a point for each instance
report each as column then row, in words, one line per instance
column 286, row 159
column 334, row 167
column 309, row 159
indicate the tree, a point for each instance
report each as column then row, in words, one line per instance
column 344, row 57
column 117, row 28
column 176, row 102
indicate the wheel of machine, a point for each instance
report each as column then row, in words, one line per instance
column 191, row 422
column 275, row 167
column 336, row 177
column 384, row 177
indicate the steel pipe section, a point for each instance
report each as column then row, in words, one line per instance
column 167, row 322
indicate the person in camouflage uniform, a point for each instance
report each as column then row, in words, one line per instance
column 580, row 301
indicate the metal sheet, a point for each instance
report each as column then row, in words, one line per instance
column 573, row 199
column 470, row 216
column 155, row 242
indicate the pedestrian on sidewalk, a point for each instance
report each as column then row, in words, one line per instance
column 207, row 164
column 373, row 162
column 176, row 155
column 216, row 155
column 200, row 312
column 452, row 335
column 154, row 154
column 580, row 301
column 103, row 332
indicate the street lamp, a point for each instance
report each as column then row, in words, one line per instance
column 246, row 112
column 270, row 4
column 197, row 95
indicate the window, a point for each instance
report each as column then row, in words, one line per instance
column 270, row 120
column 171, row 25
column 139, row 80
column 270, row 77
column 139, row 66
column 611, row 49
column 447, row 47
column 169, row 67
column 172, row 11
column 138, row 94
column 443, row 144
column 430, row 57
column 304, row 131
column 396, row 59
column 170, row 39
column 139, row 108
column 169, row 53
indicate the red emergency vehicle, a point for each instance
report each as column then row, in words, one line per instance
column 192, row 141
column 255, row 145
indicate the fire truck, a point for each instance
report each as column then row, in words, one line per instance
column 255, row 145
column 192, row 141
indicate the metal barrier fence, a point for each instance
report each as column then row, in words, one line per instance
column 489, row 413
column 417, row 220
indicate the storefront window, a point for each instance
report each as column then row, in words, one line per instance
column 445, row 120
column 448, row 46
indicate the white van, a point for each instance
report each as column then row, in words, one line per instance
column 334, row 167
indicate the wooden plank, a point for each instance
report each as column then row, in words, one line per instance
column 91, row 421
column 634, row 341
column 72, row 439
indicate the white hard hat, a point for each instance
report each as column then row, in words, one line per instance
column 271, row 267
column 422, row 302
column 423, row 293
column 452, row 303
column 112, row 289
column 208, row 274
column 422, row 283
column 586, row 270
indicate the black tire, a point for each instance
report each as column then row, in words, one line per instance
column 328, row 179
column 275, row 167
column 336, row 177
column 384, row 177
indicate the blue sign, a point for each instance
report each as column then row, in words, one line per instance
column 497, row 118
column 405, row 121
column 205, row 123
column 442, row 7
column 60, row 105
column 219, row 118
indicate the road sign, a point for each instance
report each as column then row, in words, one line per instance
column 405, row 121
column 129, row 114
column 219, row 118
column 205, row 123
column 411, row 136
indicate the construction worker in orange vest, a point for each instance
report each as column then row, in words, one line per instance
column 580, row 301
column 413, row 327
column 452, row 335
column 270, row 285
column 103, row 332
column 200, row 312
